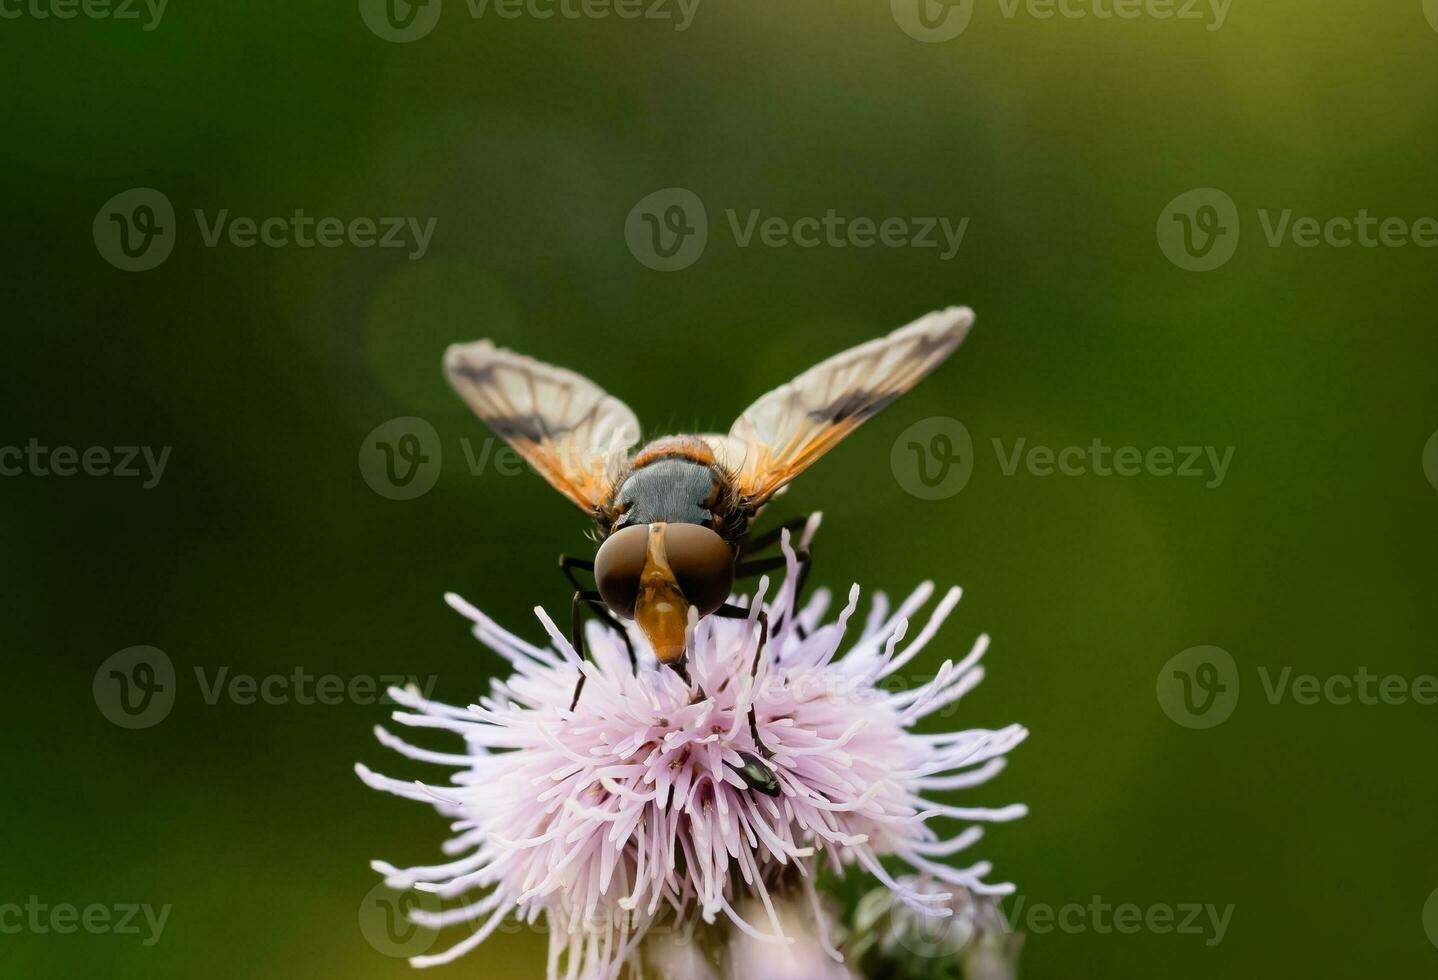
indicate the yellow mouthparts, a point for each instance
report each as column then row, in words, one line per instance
column 660, row 609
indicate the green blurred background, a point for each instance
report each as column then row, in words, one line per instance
column 263, row 549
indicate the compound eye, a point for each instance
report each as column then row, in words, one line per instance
column 618, row 565
column 703, row 565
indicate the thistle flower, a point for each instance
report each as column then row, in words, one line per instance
column 630, row 811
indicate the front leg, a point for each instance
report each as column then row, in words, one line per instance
column 748, row 566
column 805, row 561
column 576, row 638
column 567, row 565
column 731, row 611
column 758, row 566
column 773, row 536
column 576, row 632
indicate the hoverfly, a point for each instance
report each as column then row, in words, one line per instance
column 673, row 519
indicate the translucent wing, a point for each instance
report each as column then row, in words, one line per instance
column 567, row 427
column 781, row 434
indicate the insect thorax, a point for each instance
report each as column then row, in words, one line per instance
column 676, row 490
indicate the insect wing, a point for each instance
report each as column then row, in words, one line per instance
column 576, row 435
column 784, row 432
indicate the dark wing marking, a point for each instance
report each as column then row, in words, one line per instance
column 783, row 433
column 568, row 428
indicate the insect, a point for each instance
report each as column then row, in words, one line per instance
column 673, row 516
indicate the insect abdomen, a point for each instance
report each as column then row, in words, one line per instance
column 691, row 448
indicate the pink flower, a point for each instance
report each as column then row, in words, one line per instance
column 629, row 811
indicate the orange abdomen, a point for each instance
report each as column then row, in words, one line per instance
column 687, row 447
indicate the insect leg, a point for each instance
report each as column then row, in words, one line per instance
column 758, row 566
column 773, row 536
column 805, row 560
column 576, row 640
column 576, row 633
column 767, row 540
column 567, row 565
column 677, row 665
column 731, row 611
